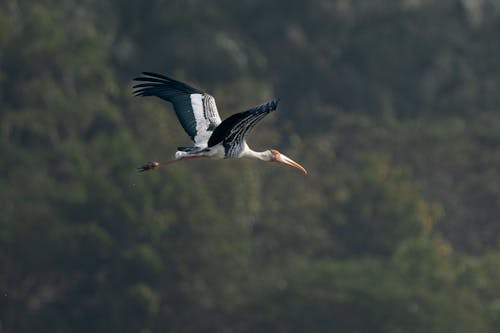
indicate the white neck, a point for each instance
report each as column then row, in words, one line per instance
column 260, row 155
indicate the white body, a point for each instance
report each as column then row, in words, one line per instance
column 218, row 152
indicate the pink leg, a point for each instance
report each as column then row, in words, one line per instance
column 155, row 165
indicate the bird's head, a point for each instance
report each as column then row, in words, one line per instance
column 276, row 156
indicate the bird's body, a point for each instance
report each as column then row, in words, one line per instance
column 198, row 115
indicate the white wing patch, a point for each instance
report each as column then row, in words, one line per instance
column 211, row 112
column 206, row 117
column 197, row 105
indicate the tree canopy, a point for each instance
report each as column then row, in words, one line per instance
column 393, row 108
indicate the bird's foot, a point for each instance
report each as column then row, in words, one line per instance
column 148, row 166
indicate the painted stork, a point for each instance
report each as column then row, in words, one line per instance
column 199, row 117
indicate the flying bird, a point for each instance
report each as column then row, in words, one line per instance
column 198, row 115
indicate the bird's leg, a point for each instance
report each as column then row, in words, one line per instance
column 155, row 165
column 148, row 166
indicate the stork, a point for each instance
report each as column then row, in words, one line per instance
column 198, row 115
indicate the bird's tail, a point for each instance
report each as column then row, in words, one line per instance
column 189, row 151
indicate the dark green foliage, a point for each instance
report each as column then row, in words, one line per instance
column 392, row 108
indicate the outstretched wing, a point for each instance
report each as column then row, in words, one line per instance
column 196, row 110
column 233, row 131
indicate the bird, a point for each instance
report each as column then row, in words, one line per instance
column 198, row 115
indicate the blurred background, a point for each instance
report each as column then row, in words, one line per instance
column 392, row 106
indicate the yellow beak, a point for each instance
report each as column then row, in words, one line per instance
column 287, row 160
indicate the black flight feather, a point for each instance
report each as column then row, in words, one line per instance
column 239, row 124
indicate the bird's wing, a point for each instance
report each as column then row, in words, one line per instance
column 196, row 110
column 234, row 130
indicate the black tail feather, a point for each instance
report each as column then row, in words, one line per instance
column 192, row 150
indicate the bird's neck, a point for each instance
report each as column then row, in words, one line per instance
column 261, row 155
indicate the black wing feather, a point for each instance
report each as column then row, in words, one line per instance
column 168, row 89
column 235, row 128
column 159, row 78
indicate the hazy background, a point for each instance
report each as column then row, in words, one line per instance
column 392, row 106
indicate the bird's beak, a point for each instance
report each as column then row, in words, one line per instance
column 287, row 160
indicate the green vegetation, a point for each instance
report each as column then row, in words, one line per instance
column 393, row 107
